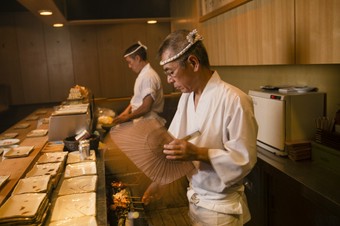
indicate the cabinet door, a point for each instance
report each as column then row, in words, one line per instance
column 85, row 57
column 9, row 56
column 255, row 191
column 259, row 32
column 32, row 54
column 317, row 31
column 59, row 62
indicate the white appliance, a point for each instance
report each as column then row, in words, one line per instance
column 285, row 117
column 68, row 121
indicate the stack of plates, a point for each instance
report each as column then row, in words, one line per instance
column 299, row 150
column 76, row 202
column 52, row 169
column 77, row 185
column 74, row 157
column 74, row 207
column 80, row 169
column 24, row 209
column 52, row 157
column 38, row 184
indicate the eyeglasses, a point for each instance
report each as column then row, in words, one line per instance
column 172, row 72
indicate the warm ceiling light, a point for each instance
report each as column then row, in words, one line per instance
column 58, row 25
column 152, row 21
column 45, row 12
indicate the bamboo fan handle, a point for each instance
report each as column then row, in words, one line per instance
column 191, row 136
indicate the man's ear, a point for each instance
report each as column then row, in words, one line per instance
column 137, row 58
column 193, row 61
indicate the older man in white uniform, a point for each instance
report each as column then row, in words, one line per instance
column 225, row 152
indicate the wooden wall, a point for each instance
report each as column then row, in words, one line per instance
column 40, row 63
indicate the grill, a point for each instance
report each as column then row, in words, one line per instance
column 124, row 200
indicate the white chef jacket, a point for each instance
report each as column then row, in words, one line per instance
column 148, row 83
column 225, row 118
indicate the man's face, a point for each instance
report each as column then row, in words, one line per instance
column 133, row 63
column 179, row 75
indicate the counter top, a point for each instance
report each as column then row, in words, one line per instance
column 18, row 167
column 320, row 185
column 21, row 165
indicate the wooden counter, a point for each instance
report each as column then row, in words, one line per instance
column 17, row 167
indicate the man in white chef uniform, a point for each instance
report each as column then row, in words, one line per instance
column 225, row 152
column 147, row 100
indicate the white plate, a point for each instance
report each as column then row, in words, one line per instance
column 74, row 157
column 3, row 179
column 52, row 157
column 304, row 89
column 10, row 135
column 32, row 185
column 74, row 206
column 80, row 169
column 20, row 151
column 7, row 148
column 70, row 112
column 32, row 118
column 8, row 142
column 83, row 221
column 37, row 133
column 44, row 169
column 78, row 185
column 41, row 112
column 22, row 126
column 24, row 205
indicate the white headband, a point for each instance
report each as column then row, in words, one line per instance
column 140, row 46
column 192, row 38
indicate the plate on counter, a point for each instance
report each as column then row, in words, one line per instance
column 74, row 206
column 8, row 142
column 23, row 205
column 41, row 112
column 37, row 133
column 78, row 185
column 32, row 118
column 74, row 157
column 10, row 135
column 3, row 179
column 45, row 120
column 44, row 169
column 86, row 220
column 17, row 152
column 22, row 126
column 32, row 185
column 80, row 169
column 52, row 157
column 7, row 148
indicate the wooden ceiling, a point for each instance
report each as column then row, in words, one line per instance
column 93, row 12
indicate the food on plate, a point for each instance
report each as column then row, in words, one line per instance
column 105, row 120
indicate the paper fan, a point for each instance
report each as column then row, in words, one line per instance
column 142, row 142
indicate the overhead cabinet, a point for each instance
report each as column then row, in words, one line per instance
column 269, row 32
column 317, row 31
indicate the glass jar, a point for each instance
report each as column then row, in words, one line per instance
column 84, row 149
